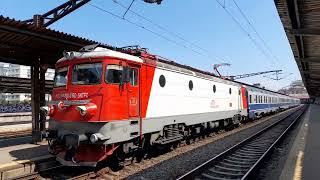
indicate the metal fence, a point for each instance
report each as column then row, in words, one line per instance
column 12, row 108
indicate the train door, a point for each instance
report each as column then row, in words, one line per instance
column 244, row 97
column 134, row 92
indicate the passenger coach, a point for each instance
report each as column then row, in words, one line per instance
column 263, row 102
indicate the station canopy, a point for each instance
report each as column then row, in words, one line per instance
column 301, row 22
column 23, row 43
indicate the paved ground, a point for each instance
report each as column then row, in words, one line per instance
column 22, row 152
column 290, row 170
column 311, row 155
column 304, row 157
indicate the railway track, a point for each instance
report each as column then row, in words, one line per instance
column 52, row 169
column 241, row 160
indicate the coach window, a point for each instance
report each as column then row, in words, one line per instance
column 114, row 74
column 134, row 76
column 162, row 81
column 190, row 85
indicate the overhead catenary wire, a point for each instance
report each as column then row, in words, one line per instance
column 245, row 31
column 147, row 29
column 178, row 36
column 255, row 31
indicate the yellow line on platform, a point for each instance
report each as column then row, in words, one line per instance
column 298, row 169
column 19, row 162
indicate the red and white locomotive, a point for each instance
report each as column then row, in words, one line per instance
column 107, row 102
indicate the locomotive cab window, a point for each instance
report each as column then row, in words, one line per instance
column 114, row 74
column 133, row 76
column 60, row 78
column 85, row 74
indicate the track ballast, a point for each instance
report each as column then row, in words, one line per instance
column 240, row 161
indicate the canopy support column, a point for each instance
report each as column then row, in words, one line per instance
column 35, row 102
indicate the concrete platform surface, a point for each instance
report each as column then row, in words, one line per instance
column 21, row 153
column 304, row 158
column 20, row 160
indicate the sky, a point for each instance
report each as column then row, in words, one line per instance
column 196, row 33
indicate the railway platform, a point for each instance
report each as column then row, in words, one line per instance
column 20, row 159
column 303, row 159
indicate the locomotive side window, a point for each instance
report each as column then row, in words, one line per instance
column 60, row 78
column 133, row 76
column 114, row 74
column 190, row 85
column 162, row 81
column 87, row 73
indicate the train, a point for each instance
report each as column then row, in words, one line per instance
column 110, row 103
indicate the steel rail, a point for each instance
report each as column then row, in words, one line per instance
column 213, row 162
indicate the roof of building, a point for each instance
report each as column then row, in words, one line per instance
column 23, row 43
column 301, row 22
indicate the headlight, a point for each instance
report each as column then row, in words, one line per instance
column 88, row 110
column 94, row 138
column 82, row 110
column 48, row 109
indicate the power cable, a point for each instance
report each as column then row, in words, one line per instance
column 128, row 8
column 256, row 32
column 146, row 29
column 244, row 31
column 168, row 31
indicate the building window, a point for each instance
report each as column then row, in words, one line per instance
column 190, row 85
column 162, row 81
column 230, row 91
column 214, row 88
column 250, row 99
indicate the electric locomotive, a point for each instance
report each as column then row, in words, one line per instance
column 115, row 103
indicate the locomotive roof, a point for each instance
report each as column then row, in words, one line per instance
column 98, row 50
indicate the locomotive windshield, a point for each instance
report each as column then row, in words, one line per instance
column 61, row 77
column 85, row 74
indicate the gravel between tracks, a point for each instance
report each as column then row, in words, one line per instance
column 183, row 159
